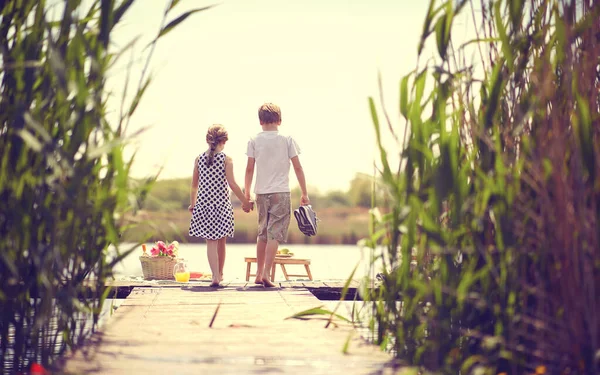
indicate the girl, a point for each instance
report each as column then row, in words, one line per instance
column 212, row 213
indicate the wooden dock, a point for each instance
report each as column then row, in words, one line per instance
column 165, row 330
column 327, row 289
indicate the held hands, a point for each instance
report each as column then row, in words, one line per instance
column 248, row 206
column 191, row 208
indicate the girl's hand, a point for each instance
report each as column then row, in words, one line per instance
column 247, row 206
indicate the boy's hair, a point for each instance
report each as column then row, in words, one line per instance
column 269, row 113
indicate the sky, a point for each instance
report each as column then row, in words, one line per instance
column 318, row 60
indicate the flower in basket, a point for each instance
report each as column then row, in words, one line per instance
column 160, row 249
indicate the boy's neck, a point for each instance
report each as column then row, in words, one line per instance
column 270, row 127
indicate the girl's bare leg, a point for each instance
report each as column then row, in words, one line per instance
column 260, row 261
column 221, row 245
column 213, row 261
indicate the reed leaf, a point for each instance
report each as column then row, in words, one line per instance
column 481, row 264
column 64, row 177
column 171, row 25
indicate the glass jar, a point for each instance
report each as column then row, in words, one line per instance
column 181, row 271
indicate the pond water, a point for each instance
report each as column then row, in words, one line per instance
column 328, row 262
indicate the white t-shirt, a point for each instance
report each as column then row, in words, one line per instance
column 272, row 152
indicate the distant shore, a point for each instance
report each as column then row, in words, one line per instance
column 340, row 226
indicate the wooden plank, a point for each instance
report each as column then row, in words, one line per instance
column 291, row 284
column 311, row 284
column 341, row 284
column 166, row 330
column 173, row 284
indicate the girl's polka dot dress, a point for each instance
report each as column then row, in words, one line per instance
column 212, row 217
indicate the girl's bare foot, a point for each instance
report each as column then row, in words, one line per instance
column 267, row 283
column 257, row 281
column 214, row 284
column 221, row 278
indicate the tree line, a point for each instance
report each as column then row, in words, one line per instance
column 174, row 194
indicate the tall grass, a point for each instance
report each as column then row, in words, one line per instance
column 64, row 182
column 496, row 195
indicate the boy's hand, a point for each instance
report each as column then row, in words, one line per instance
column 304, row 200
column 191, row 208
column 247, row 207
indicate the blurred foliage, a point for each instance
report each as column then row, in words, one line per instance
column 339, row 225
column 168, row 195
column 64, row 182
column 491, row 223
column 360, row 190
column 174, row 194
column 343, row 215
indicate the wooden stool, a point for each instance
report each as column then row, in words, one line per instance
column 282, row 262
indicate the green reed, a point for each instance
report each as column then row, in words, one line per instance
column 496, row 196
column 64, row 180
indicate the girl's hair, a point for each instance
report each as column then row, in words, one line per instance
column 216, row 134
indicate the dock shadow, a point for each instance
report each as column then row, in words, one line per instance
column 202, row 288
column 256, row 288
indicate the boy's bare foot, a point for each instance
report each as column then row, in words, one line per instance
column 221, row 278
column 214, row 284
column 257, row 281
column 267, row 283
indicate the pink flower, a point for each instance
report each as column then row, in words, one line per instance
column 161, row 249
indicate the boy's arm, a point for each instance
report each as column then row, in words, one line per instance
column 249, row 176
column 304, row 200
column 246, row 205
column 194, row 189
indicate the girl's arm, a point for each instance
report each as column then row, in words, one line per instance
column 246, row 205
column 194, row 189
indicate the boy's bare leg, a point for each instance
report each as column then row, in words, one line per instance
column 213, row 261
column 270, row 252
column 260, row 260
column 221, row 245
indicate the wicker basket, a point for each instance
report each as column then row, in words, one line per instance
column 158, row 268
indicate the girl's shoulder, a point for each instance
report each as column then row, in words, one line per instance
column 221, row 157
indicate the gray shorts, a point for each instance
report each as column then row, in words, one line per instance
column 274, row 212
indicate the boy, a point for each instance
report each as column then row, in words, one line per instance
column 272, row 152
